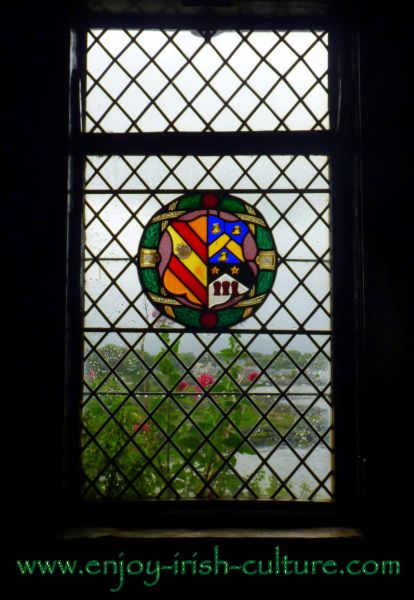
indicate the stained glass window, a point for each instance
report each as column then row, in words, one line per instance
column 176, row 408
column 207, row 269
column 208, row 261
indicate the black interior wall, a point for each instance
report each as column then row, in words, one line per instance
column 36, row 52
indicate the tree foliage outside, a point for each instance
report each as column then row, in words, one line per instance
column 173, row 437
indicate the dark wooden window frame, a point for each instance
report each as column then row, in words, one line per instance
column 340, row 144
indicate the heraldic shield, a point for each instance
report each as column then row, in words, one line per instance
column 207, row 260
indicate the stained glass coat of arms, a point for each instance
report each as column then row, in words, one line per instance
column 207, row 315
column 207, row 260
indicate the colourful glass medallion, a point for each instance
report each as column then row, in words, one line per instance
column 207, row 260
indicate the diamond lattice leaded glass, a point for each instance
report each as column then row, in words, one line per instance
column 172, row 411
column 142, row 80
column 207, row 260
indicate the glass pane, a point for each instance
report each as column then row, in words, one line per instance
column 170, row 411
column 176, row 80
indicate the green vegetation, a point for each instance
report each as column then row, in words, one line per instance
column 172, row 436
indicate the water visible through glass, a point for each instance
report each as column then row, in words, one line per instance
column 170, row 413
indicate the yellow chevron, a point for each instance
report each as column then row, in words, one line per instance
column 225, row 241
column 236, row 250
column 218, row 244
